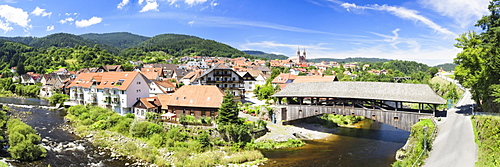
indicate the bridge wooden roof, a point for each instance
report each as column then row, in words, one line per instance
column 403, row 92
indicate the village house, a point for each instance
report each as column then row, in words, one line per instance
column 51, row 83
column 283, row 79
column 196, row 100
column 248, row 81
column 27, row 79
column 114, row 90
column 144, row 105
column 110, row 68
column 161, row 87
column 224, row 78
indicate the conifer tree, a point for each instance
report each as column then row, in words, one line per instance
column 228, row 111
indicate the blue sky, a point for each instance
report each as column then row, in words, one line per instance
column 417, row 30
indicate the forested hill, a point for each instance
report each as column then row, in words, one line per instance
column 121, row 40
column 348, row 60
column 447, row 66
column 24, row 40
column 60, row 40
column 184, row 45
column 268, row 56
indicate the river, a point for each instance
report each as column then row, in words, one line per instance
column 369, row 144
column 63, row 148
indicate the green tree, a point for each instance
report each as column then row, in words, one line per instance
column 228, row 111
column 477, row 63
column 23, row 141
column 58, row 98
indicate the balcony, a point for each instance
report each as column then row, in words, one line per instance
column 115, row 102
column 106, row 94
column 92, row 100
column 222, row 73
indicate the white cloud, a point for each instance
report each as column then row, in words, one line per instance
column 5, row 27
column 50, row 28
column 191, row 23
column 69, row 19
column 151, row 5
column 214, row 4
column 172, row 1
column 140, row 2
column 89, row 22
column 13, row 15
column 122, row 4
column 40, row 12
column 194, row 2
column 403, row 13
column 464, row 12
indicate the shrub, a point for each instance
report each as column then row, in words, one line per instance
column 58, row 98
column 487, row 130
column 153, row 129
column 77, row 110
column 157, row 140
column 138, row 129
column 23, row 141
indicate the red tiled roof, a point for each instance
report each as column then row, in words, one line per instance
column 208, row 96
column 317, row 78
column 120, row 80
column 283, row 78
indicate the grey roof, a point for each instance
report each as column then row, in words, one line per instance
column 416, row 93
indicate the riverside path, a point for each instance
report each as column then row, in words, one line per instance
column 454, row 144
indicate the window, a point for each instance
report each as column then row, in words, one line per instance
column 184, row 98
column 212, row 113
column 183, row 111
column 209, row 78
column 203, row 113
column 192, row 112
column 139, row 82
column 250, row 83
column 138, row 90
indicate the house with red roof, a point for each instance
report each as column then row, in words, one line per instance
column 114, row 90
column 195, row 100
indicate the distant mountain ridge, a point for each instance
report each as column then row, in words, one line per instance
column 120, row 40
column 268, row 56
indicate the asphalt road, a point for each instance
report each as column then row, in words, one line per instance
column 454, row 144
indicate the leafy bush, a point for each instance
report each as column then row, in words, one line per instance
column 58, row 98
column 487, row 130
column 23, row 141
column 417, row 144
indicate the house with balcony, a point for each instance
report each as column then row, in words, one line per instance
column 224, row 78
column 114, row 90
column 51, row 83
column 248, row 81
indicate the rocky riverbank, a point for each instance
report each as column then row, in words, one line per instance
column 302, row 131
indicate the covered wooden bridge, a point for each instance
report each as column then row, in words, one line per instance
column 381, row 101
